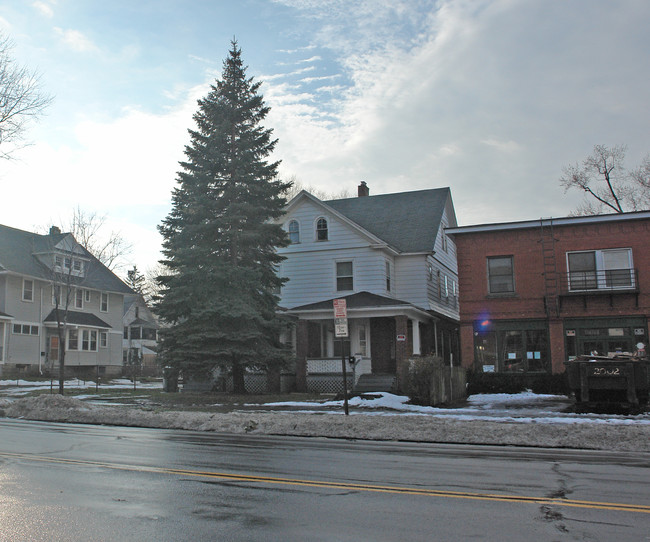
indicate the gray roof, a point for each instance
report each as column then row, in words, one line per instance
column 360, row 300
column 77, row 318
column 18, row 251
column 407, row 221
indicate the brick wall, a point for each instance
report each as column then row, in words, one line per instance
column 528, row 301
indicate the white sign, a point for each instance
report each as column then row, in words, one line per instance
column 340, row 308
column 340, row 318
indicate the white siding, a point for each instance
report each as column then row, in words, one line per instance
column 311, row 264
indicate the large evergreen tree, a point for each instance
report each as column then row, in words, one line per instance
column 220, row 238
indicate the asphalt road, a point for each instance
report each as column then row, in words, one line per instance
column 73, row 482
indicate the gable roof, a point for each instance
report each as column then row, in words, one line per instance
column 18, row 250
column 407, row 221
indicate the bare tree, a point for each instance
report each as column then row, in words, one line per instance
column 297, row 186
column 21, row 98
column 607, row 184
column 152, row 286
column 88, row 228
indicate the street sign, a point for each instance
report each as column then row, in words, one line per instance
column 340, row 308
column 340, row 318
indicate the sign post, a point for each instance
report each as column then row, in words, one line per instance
column 341, row 331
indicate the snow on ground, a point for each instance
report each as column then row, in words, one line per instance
column 23, row 387
column 523, row 419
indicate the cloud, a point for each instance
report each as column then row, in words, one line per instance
column 124, row 168
column 471, row 95
column 76, row 40
column 44, row 9
column 275, row 76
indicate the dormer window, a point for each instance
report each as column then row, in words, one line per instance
column 294, row 232
column 68, row 265
column 321, row 230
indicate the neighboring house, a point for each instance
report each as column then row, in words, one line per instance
column 140, row 333
column 389, row 258
column 36, row 272
column 539, row 292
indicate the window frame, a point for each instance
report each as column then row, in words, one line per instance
column 341, row 277
column 87, row 340
column 293, row 231
column 322, row 233
column 29, row 299
column 389, row 282
column 103, row 339
column 491, row 275
column 103, row 295
column 30, row 330
column 68, row 339
column 78, row 298
column 599, row 278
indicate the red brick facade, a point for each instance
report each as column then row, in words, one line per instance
column 555, row 316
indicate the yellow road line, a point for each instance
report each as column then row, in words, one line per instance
column 403, row 490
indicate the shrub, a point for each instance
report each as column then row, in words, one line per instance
column 420, row 379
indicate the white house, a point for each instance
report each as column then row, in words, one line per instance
column 140, row 333
column 389, row 258
column 37, row 272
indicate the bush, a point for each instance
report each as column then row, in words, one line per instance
column 420, row 379
column 516, row 383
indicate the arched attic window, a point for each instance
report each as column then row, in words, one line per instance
column 321, row 230
column 294, row 231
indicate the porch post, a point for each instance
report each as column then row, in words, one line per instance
column 401, row 351
column 435, row 337
column 301, row 356
column 417, row 348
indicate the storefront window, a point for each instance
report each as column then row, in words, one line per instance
column 511, row 350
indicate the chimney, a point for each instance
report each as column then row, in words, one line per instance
column 363, row 189
column 54, row 230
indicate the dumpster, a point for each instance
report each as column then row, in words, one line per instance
column 620, row 379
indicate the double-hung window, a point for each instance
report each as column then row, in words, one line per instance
column 388, row 282
column 79, row 299
column 73, row 339
column 294, row 232
column 89, row 340
column 322, row 231
column 103, row 306
column 344, row 276
column 501, row 276
column 28, row 290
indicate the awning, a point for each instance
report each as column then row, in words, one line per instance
column 76, row 318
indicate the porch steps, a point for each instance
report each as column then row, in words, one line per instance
column 375, row 382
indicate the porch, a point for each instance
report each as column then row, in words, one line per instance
column 383, row 334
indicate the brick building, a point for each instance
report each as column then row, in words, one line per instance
column 535, row 293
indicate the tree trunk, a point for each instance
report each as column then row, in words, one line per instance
column 61, row 365
column 239, row 386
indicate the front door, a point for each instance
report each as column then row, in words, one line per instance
column 382, row 345
column 54, row 348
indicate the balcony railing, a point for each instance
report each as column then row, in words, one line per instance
column 610, row 281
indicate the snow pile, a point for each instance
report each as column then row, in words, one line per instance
column 426, row 425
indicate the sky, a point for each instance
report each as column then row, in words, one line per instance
column 491, row 98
